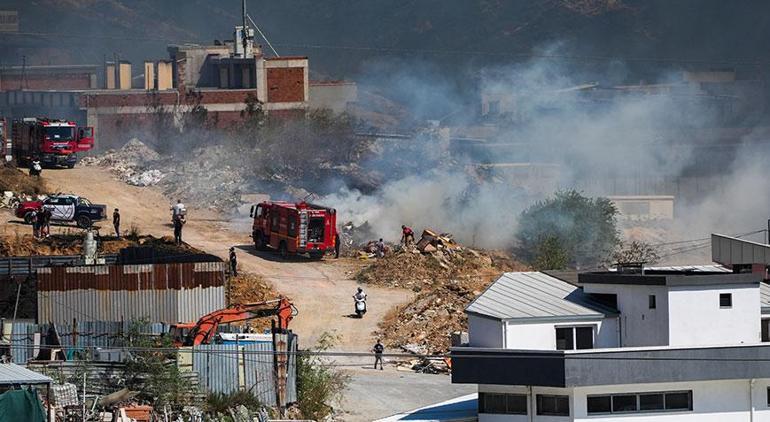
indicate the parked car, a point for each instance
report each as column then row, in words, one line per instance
column 64, row 208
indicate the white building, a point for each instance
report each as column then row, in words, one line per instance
column 662, row 344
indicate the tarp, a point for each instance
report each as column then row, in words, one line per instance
column 21, row 405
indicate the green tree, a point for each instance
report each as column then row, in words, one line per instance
column 152, row 369
column 568, row 229
column 319, row 383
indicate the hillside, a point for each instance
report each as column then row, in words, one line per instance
column 344, row 37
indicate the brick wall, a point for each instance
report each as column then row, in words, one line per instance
column 46, row 82
column 285, row 85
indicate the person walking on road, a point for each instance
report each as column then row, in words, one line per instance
column 178, row 224
column 233, row 263
column 116, row 222
column 378, row 349
column 336, row 245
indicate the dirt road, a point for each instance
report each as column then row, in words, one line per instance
column 321, row 290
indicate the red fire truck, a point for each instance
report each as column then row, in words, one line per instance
column 294, row 228
column 53, row 142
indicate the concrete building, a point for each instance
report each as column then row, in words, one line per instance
column 641, row 344
column 221, row 76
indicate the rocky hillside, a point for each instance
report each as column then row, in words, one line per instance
column 343, row 38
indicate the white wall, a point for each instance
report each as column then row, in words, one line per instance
column 695, row 317
column 484, row 332
column 713, row 401
column 640, row 325
column 542, row 335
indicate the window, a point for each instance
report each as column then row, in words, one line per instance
column 651, row 402
column 624, row 403
column 292, row 231
column 679, row 401
column 652, row 302
column 766, row 330
column 508, row 404
column 564, row 339
column 552, row 405
column 599, row 404
column 725, row 300
column 571, row 338
column 642, row 402
column 584, row 337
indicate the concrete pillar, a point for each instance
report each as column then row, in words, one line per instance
column 149, row 76
column 109, row 75
column 165, row 76
column 124, row 75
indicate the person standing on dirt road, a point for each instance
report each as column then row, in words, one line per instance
column 45, row 222
column 378, row 349
column 178, row 224
column 233, row 263
column 336, row 245
column 33, row 218
column 116, row 222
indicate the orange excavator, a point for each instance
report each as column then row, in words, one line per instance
column 203, row 331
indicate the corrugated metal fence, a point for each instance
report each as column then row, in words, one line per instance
column 221, row 368
column 229, row 368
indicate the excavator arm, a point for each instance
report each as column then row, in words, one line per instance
column 206, row 327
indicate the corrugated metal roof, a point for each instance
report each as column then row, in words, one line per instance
column 10, row 373
column 535, row 295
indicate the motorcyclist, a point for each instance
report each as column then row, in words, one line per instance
column 360, row 295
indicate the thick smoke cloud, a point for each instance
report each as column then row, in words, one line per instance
column 596, row 139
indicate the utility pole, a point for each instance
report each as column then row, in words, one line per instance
column 244, row 30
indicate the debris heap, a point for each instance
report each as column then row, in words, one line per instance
column 446, row 277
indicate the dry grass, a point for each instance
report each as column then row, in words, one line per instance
column 15, row 180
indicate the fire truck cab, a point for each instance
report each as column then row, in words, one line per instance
column 294, row 228
column 54, row 142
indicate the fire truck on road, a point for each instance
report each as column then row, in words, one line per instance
column 53, row 142
column 294, row 228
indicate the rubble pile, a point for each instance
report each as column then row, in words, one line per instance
column 213, row 177
column 446, row 277
column 132, row 163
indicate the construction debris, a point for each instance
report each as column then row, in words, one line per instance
column 446, row 280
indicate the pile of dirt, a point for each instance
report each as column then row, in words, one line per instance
column 250, row 288
column 18, row 244
column 446, row 281
column 19, row 182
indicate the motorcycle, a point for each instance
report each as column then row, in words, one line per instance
column 360, row 307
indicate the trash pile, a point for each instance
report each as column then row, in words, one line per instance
column 18, row 244
column 131, row 163
column 446, row 277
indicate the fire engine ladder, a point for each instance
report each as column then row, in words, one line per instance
column 303, row 229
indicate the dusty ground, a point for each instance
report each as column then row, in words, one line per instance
column 321, row 290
